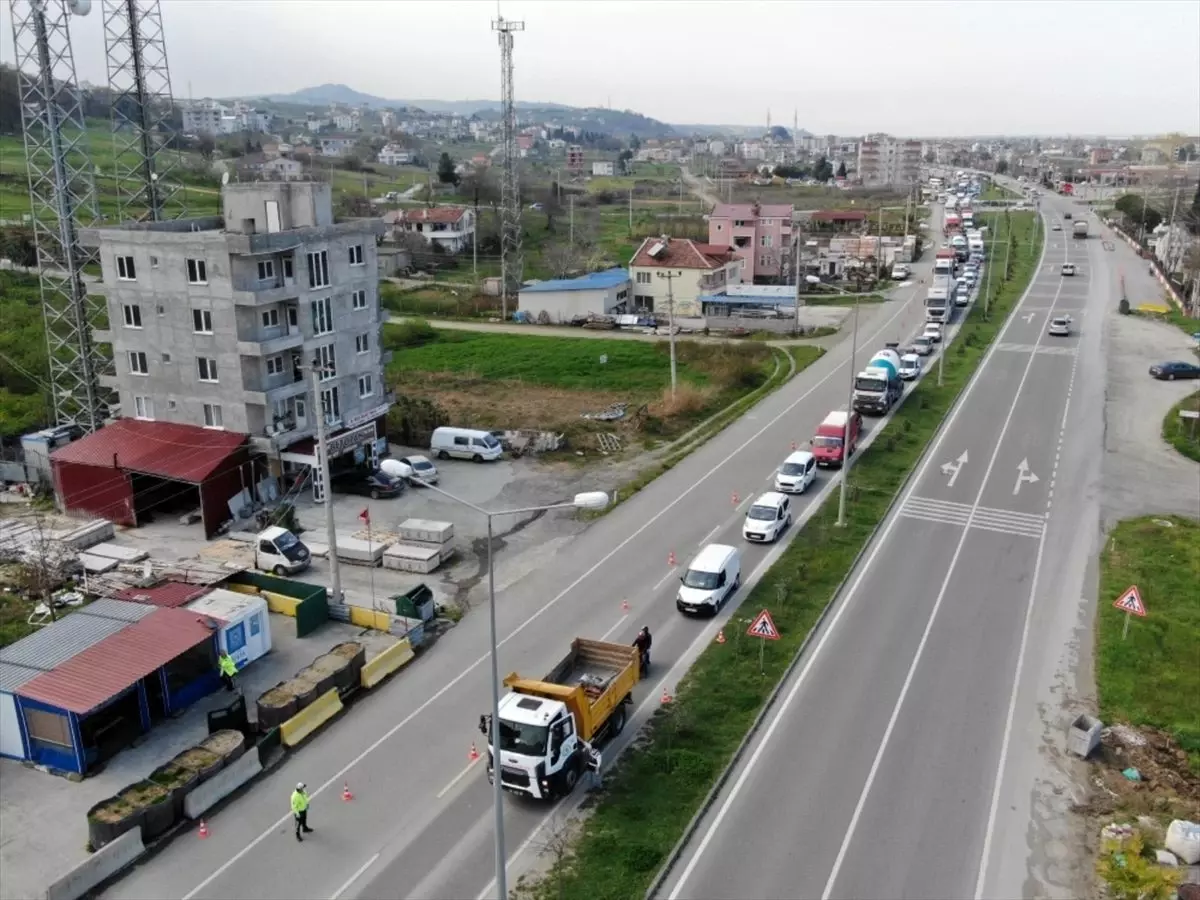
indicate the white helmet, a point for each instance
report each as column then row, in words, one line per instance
column 300, row 786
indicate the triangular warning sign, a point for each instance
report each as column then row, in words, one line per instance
column 763, row 626
column 1131, row 602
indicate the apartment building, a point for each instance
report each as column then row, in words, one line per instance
column 215, row 321
column 667, row 270
column 884, row 161
column 760, row 234
column 203, row 117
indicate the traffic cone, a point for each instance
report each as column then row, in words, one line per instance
column 735, row 498
column 625, row 606
column 671, row 559
column 721, row 636
column 793, row 446
column 666, row 698
column 474, row 754
column 203, row 830
column 346, row 795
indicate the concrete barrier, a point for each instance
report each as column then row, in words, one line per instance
column 302, row 724
column 386, row 663
column 276, row 602
column 100, row 866
column 207, row 794
column 369, row 618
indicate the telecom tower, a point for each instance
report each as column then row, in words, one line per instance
column 142, row 111
column 511, row 263
column 61, row 191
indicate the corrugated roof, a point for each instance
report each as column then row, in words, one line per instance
column 682, row 253
column 56, row 643
column 13, row 676
column 167, row 595
column 166, row 449
column 119, row 609
column 596, row 281
column 105, row 670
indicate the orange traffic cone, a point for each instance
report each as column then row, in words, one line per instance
column 346, row 795
column 721, row 636
column 735, row 498
column 624, row 606
column 793, row 446
column 671, row 559
column 666, row 698
column 473, row 755
column 203, row 829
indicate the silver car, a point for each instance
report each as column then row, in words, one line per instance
column 1060, row 326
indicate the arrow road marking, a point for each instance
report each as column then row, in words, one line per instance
column 953, row 467
column 1023, row 475
column 1029, row 317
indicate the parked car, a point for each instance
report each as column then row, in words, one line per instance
column 415, row 469
column 1169, row 371
column 377, row 485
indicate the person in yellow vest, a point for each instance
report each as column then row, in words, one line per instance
column 300, row 810
column 228, row 669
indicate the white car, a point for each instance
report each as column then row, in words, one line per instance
column 768, row 517
column 413, row 469
column 1056, row 227
column 922, row 345
column 910, row 366
column 798, row 471
column 1068, row 268
column 1060, row 326
column 933, row 331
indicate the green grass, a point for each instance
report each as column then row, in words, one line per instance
column 1183, row 434
column 657, row 787
column 996, row 192
column 1152, row 677
column 14, row 613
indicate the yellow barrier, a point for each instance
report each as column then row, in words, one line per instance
column 386, row 663
column 276, row 603
column 309, row 719
column 370, row 618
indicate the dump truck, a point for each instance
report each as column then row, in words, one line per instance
column 1080, row 229
column 549, row 728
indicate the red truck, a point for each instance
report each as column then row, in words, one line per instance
column 944, row 263
column 827, row 443
column 952, row 223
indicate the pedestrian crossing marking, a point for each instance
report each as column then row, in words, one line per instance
column 963, row 515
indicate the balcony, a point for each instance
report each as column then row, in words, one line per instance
column 271, row 341
column 280, row 387
column 102, row 336
column 112, row 382
column 265, row 293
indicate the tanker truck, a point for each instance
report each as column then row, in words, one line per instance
column 878, row 386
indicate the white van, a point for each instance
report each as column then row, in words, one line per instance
column 465, row 443
column 278, row 550
column 798, row 471
column 768, row 517
column 710, row 580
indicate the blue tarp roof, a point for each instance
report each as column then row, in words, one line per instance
column 597, row 281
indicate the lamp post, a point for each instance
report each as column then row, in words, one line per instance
column 586, row 500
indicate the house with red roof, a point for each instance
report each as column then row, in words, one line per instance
column 451, row 228
column 673, row 272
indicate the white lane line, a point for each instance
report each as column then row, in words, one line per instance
column 704, row 540
column 457, row 778
column 912, row 669
column 866, row 567
column 620, row 622
column 553, row 601
column 666, row 577
column 353, row 878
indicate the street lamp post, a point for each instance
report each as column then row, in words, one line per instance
column 586, row 500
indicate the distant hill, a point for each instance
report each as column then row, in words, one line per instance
column 611, row 121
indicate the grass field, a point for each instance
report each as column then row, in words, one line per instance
column 1183, row 435
column 23, row 357
column 657, row 787
column 1152, row 676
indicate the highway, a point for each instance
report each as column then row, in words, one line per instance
column 898, row 759
column 420, row 822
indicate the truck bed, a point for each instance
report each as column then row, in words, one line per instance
column 591, row 664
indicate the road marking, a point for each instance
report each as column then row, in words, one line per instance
column 953, row 467
column 457, row 778
column 985, row 518
column 353, row 878
column 620, row 622
column 704, row 540
column 602, row 562
column 665, row 578
column 851, row 592
column 1025, row 475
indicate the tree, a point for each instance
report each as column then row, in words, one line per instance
column 445, row 170
column 206, row 145
column 562, row 259
column 635, row 143
column 17, row 244
column 841, row 169
column 823, row 170
column 1138, row 212
column 47, row 562
column 1129, row 875
column 1191, row 216
column 1001, row 166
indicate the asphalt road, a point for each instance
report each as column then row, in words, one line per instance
column 420, row 821
column 898, row 760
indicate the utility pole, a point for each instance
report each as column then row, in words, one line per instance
column 571, row 204
column 335, row 573
column 631, row 210
column 670, row 276
column 511, row 264
column 841, row 519
column 798, row 269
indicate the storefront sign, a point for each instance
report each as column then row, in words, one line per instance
column 368, row 415
column 349, row 440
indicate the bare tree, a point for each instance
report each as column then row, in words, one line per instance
column 557, row 845
column 46, row 562
column 562, row 259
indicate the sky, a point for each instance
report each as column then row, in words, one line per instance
column 972, row 67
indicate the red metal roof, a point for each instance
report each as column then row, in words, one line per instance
column 166, row 449
column 682, row 253
column 167, row 595
column 104, row 670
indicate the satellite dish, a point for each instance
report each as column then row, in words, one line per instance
column 225, row 178
column 79, row 7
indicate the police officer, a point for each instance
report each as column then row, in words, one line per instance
column 300, row 810
column 228, row 669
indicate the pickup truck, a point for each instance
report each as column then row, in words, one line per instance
column 548, row 727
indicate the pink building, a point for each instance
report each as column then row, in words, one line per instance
column 762, row 235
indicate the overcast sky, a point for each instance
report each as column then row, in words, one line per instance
column 1114, row 67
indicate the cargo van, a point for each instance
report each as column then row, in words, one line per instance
column 710, row 580
column 831, row 433
column 279, row 551
column 465, row 443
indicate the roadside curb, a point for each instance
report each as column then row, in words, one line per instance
column 706, row 804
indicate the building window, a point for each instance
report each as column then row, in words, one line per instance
column 266, row 269
column 318, row 269
column 202, row 321
column 206, row 368
column 166, row 358
column 274, row 365
column 171, row 404
column 212, row 416
column 356, row 255
column 365, row 388
column 330, row 406
column 125, row 269
column 358, row 299
column 143, row 407
column 766, row 240
column 162, row 310
column 322, row 316
column 154, row 262
column 137, row 363
column 643, row 277
column 327, row 362
column 720, row 227
column 133, row 315
column 362, row 343
column 270, row 318
column 288, row 271
column 197, row 271
column 293, row 317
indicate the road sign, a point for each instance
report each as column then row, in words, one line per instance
column 763, row 627
column 1131, row 602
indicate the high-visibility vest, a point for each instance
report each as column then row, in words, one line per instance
column 299, row 802
column 228, row 666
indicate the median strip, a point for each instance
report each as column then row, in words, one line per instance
column 655, row 793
